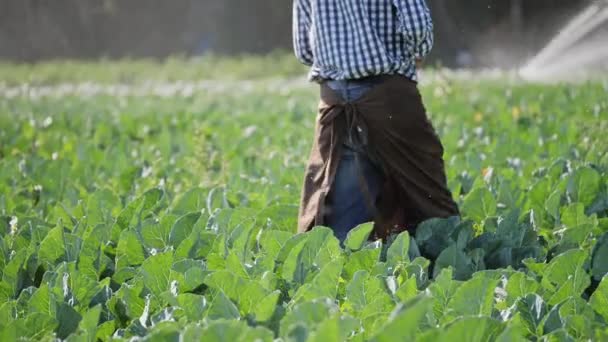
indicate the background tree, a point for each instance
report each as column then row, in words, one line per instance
column 36, row 29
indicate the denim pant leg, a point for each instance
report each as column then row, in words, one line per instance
column 348, row 205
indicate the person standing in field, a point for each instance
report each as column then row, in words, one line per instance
column 376, row 157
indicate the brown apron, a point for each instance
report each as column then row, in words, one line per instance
column 393, row 121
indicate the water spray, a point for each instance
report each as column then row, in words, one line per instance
column 559, row 57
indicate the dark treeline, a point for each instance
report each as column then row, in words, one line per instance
column 32, row 30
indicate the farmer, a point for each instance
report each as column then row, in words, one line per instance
column 376, row 157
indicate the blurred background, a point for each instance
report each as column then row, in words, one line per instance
column 471, row 33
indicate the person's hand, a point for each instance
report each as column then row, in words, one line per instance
column 419, row 63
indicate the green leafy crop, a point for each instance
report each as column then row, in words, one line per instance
column 173, row 218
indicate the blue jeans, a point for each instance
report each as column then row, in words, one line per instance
column 348, row 204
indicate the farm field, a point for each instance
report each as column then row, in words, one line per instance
column 131, row 214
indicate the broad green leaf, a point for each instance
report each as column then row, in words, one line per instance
column 138, row 208
column 191, row 201
column 537, row 267
column 13, row 275
column 88, row 324
column 129, row 252
column 473, row 297
column 216, row 262
column 323, row 285
column 102, row 207
column 270, row 281
column 235, row 331
column 435, row 235
column 473, row 329
column 156, row 272
column 553, row 203
column 559, row 335
column 234, row 265
column 538, row 194
column 193, row 278
column 198, row 245
column 398, row 251
column 128, row 302
column 68, row 319
column 34, row 326
column 42, row 301
column 519, row 285
column 307, row 315
column 105, row 330
column 599, row 258
column 294, row 268
column 565, row 276
column 600, row 204
column 574, row 315
column 532, row 310
column 267, row 306
column 304, row 257
column 479, row 204
column 289, row 245
column 183, row 228
column 155, row 233
column 599, row 299
column 512, row 334
column 356, row 290
column 125, row 274
column 511, row 231
column 7, row 312
column 24, row 298
column 72, row 244
column 280, row 217
column 407, row 290
column 83, row 288
column 222, row 307
column 243, row 239
column 272, row 241
column 228, row 282
column 557, row 169
column 104, row 294
column 336, row 328
column 194, row 272
column 369, row 300
column 192, row 332
column 584, row 185
column 508, row 193
column 318, row 239
column 328, row 251
column 263, row 266
column 245, row 293
column 193, row 305
column 364, row 259
column 552, row 320
column 91, row 257
column 443, row 289
column 573, row 216
column 52, row 247
column 164, row 331
column 358, row 236
column 603, row 224
column 455, row 258
column 403, row 325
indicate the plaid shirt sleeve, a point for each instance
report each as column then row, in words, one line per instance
column 417, row 25
column 301, row 28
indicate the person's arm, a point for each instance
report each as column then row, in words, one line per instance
column 417, row 25
column 301, row 28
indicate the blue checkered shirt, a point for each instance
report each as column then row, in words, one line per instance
column 352, row 39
